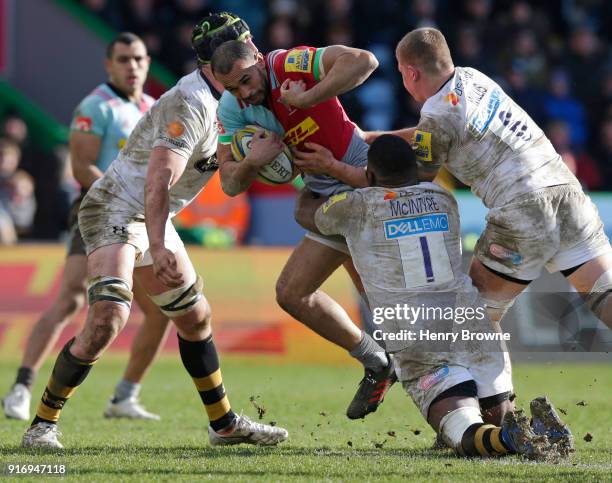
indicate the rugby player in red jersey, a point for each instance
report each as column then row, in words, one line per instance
column 294, row 93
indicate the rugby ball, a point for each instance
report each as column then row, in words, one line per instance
column 279, row 171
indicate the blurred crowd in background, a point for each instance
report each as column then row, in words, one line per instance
column 553, row 57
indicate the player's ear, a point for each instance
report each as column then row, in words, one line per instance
column 108, row 63
column 411, row 72
column 259, row 57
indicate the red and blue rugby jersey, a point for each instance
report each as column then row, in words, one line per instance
column 326, row 123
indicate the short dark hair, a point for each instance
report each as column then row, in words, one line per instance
column 391, row 156
column 127, row 38
column 226, row 55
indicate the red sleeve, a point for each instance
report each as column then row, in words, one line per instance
column 299, row 63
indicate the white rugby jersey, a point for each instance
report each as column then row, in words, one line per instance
column 403, row 240
column 486, row 140
column 183, row 120
column 406, row 246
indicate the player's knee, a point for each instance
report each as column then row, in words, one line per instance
column 600, row 294
column 72, row 298
column 497, row 309
column 287, row 296
column 109, row 289
column 105, row 322
column 495, row 414
column 177, row 302
column 71, row 304
column 197, row 323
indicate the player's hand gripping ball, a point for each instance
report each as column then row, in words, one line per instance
column 279, row 171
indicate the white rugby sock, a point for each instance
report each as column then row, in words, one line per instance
column 370, row 354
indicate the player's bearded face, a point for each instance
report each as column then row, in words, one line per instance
column 247, row 81
column 128, row 67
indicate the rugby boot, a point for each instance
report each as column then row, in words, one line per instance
column 42, row 435
column 245, row 430
column 523, row 440
column 371, row 391
column 16, row 404
column 129, row 408
column 546, row 421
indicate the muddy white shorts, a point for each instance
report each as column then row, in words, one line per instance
column 491, row 371
column 556, row 227
column 105, row 223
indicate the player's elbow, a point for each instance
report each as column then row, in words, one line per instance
column 368, row 61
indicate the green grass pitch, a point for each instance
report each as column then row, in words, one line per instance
column 390, row 445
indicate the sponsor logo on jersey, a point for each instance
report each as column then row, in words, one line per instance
column 391, row 195
column 452, row 98
column 429, row 380
column 504, row 253
column 82, row 123
column 422, row 145
column 417, row 225
column 333, row 200
column 485, row 113
column 297, row 134
column 175, row 129
column 298, row 60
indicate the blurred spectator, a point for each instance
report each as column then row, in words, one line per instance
column 476, row 14
column 422, row 14
column 560, row 105
column 191, row 11
column 16, row 129
column 579, row 162
column 280, row 34
column 529, row 97
column 22, row 203
column 55, row 193
column 45, row 169
column 604, row 153
column 10, row 155
column 178, row 50
column 525, row 53
column 139, row 15
column 340, row 33
column 105, row 10
column 469, row 52
column 17, row 201
column 585, row 63
column 522, row 16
